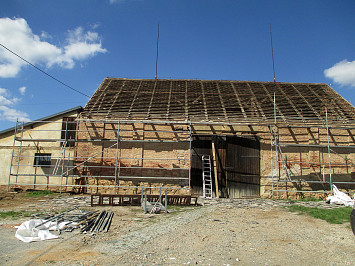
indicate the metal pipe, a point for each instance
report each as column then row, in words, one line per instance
column 102, row 220
column 55, row 217
column 12, row 156
column 330, row 164
column 106, row 221
column 118, row 138
column 97, row 220
column 109, row 222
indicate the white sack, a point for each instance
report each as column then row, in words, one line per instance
column 340, row 198
column 27, row 232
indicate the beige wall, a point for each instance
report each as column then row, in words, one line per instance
column 37, row 131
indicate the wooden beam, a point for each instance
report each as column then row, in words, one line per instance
column 214, row 156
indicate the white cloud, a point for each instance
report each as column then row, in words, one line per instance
column 46, row 35
column 7, row 110
column 342, row 73
column 3, row 91
column 22, row 90
column 17, row 36
column 13, row 115
column 81, row 45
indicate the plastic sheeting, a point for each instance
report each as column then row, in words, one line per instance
column 27, row 231
column 340, row 198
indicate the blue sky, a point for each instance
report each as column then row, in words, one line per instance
column 83, row 41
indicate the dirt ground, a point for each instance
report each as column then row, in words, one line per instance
column 224, row 233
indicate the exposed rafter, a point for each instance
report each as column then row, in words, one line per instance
column 217, row 101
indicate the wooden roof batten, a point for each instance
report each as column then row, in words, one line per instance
column 226, row 117
column 217, row 101
column 151, row 100
column 134, row 99
column 309, row 105
column 109, row 113
column 291, row 103
column 204, row 101
column 239, row 102
column 255, row 101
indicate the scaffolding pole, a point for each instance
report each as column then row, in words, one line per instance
column 64, row 158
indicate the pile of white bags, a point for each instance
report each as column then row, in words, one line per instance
column 340, row 198
column 30, row 231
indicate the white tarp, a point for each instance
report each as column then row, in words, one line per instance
column 340, row 198
column 27, row 231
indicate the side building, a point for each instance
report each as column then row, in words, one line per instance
column 31, row 152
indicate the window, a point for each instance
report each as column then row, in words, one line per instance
column 42, row 160
column 68, row 130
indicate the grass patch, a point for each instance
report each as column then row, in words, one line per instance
column 40, row 193
column 15, row 214
column 303, row 200
column 310, row 199
column 333, row 216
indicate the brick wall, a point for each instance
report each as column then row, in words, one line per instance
column 141, row 160
column 147, row 155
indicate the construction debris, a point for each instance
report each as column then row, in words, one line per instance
column 340, row 198
column 38, row 229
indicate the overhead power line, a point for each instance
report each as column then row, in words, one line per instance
column 61, row 82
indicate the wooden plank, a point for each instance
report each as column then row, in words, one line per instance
column 215, row 168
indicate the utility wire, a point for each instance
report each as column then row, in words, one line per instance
column 66, row 85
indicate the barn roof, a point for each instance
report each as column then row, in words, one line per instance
column 217, row 101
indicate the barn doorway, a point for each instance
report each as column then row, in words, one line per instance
column 237, row 161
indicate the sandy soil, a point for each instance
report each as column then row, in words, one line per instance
column 220, row 234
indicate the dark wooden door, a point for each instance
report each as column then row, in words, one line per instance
column 237, row 162
column 242, row 167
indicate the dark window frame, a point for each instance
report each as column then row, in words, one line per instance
column 42, row 160
column 68, row 131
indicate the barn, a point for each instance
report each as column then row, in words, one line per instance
column 233, row 139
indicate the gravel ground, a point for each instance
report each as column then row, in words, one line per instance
column 224, row 232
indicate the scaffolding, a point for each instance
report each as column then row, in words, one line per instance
column 88, row 155
column 328, row 156
column 91, row 155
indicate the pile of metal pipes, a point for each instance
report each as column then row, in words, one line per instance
column 100, row 223
column 86, row 220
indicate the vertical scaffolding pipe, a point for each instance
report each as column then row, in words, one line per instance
column 141, row 195
column 68, row 166
column 323, row 168
column 117, row 143
column 330, row 165
column 272, row 162
column 63, row 158
column 190, row 146
column 19, row 154
column 166, row 200
column 160, row 190
column 12, row 155
column 120, row 153
column 276, row 149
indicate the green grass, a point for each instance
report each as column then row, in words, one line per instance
column 40, row 193
column 303, row 199
column 333, row 216
column 15, row 214
column 310, row 199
